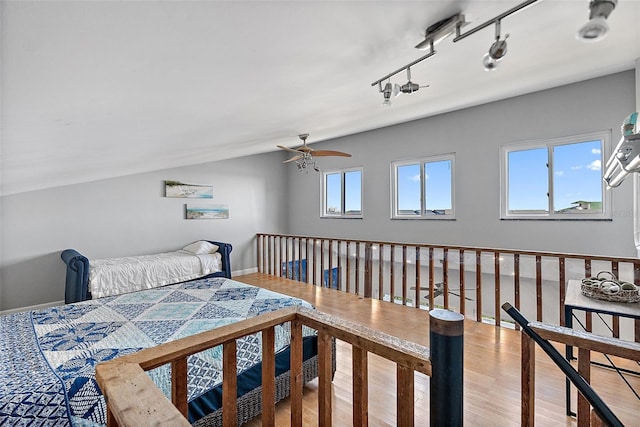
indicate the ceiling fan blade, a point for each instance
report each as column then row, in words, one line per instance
column 282, row 147
column 318, row 153
column 294, row 158
column 305, row 148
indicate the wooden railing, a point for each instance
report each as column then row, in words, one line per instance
column 133, row 398
column 586, row 343
column 473, row 281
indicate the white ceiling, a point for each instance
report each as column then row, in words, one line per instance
column 93, row 89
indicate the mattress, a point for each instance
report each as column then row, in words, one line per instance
column 48, row 357
column 114, row 276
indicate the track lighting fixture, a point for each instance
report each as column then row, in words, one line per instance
column 497, row 51
column 596, row 29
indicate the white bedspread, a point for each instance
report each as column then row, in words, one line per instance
column 114, row 276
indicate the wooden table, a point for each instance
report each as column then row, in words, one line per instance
column 574, row 300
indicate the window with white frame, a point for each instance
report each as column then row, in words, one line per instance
column 342, row 193
column 423, row 188
column 555, row 179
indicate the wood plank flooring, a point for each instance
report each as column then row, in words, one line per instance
column 491, row 368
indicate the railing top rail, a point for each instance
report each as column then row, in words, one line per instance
column 466, row 248
column 607, row 345
column 403, row 352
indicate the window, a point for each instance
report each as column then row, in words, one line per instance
column 342, row 194
column 555, row 179
column 423, row 188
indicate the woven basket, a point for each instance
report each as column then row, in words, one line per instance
column 605, row 286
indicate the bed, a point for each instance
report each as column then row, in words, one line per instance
column 86, row 279
column 49, row 356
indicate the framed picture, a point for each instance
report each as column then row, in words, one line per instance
column 207, row 211
column 187, row 191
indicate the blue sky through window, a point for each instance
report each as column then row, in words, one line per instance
column 577, row 176
column 353, row 191
column 438, row 180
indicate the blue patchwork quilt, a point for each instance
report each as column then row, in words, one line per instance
column 48, row 357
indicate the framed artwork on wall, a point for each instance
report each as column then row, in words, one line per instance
column 206, row 211
column 187, row 191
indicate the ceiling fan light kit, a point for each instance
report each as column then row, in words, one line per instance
column 594, row 30
column 304, row 155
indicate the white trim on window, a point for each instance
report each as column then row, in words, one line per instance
column 339, row 212
column 605, row 213
column 423, row 212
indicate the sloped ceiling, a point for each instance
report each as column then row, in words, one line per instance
column 96, row 89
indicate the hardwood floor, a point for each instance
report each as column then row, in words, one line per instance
column 491, row 368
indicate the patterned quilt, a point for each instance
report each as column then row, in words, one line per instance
column 48, row 357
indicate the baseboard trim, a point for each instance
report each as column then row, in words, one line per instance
column 32, row 307
column 245, row 271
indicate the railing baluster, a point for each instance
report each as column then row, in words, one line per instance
column 404, row 411
column 229, row 385
column 463, row 297
column 281, row 273
column 295, row 391
column 562, row 287
column 357, row 268
column 615, row 320
column 445, row 277
column 315, row 267
column 306, row 264
column 348, row 255
column 339, row 254
column 417, row 294
column 496, row 281
column 330, row 275
column 268, row 377
column 432, row 296
column 360, row 386
column 539, row 288
column 324, row 378
column 392, row 289
column 516, row 284
column 380, row 271
column 179, row 385
column 587, row 315
column 478, row 285
column 368, row 271
column 404, row 274
column 321, row 263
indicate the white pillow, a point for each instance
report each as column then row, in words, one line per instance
column 201, row 247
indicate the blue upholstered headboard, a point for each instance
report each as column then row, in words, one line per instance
column 77, row 281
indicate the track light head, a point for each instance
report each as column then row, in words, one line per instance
column 389, row 91
column 597, row 28
column 386, row 93
column 497, row 51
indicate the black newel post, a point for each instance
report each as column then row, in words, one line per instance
column 446, row 333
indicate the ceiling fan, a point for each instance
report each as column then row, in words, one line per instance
column 305, row 155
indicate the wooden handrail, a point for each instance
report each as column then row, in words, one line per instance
column 133, row 399
column 588, row 341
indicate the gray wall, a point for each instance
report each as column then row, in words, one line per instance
column 129, row 216
column 475, row 135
